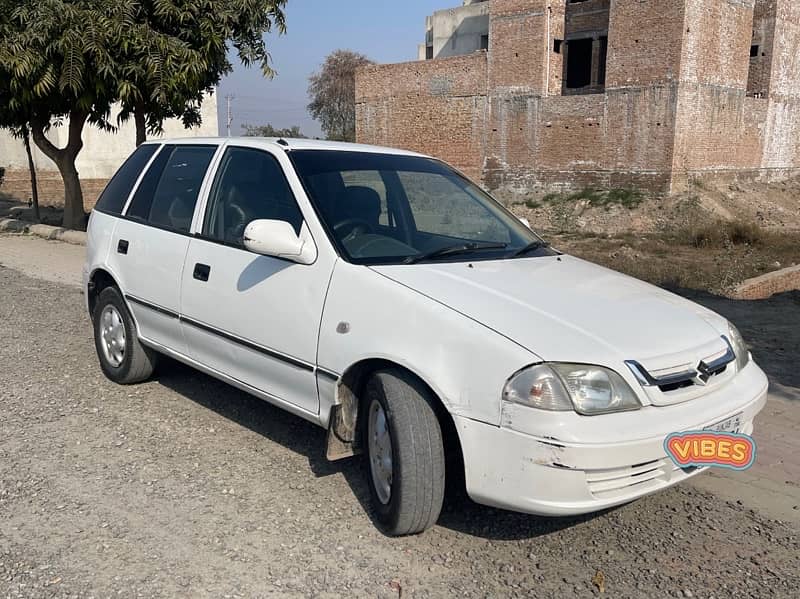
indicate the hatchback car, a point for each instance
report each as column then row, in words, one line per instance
column 380, row 294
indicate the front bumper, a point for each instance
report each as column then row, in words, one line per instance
column 540, row 474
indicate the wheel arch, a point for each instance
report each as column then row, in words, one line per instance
column 345, row 423
column 99, row 279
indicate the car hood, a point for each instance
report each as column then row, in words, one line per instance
column 562, row 308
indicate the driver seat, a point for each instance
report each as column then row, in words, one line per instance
column 362, row 203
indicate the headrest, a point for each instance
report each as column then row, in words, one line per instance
column 361, row 202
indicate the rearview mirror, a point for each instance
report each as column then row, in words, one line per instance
column 277, row 238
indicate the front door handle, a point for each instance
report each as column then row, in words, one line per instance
column 122, row 246
column 201, row 272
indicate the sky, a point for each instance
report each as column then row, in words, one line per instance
column 385, row 31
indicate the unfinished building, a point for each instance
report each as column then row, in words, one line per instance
column 568, row 93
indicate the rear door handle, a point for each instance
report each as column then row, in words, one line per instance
column 122, row 246
column 201, row 272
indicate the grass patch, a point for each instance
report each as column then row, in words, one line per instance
column 721, row 234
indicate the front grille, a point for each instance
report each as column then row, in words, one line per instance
column 665, row 384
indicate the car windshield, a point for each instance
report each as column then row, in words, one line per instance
column 395, row 209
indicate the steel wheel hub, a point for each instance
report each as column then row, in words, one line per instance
column 112, row 335
column 380, row 452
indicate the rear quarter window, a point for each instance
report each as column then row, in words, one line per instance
column 168, row 192
column 116, row 193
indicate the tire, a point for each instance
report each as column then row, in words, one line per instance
column 123, row 358
column 416, row 472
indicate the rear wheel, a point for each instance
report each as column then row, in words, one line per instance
column 404, row 452
column 123, row 358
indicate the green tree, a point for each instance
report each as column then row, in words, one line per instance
column 66, row 62
column 270, row 131
column 333, row 94
column 177, row 51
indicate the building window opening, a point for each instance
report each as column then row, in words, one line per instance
column 753, row 51
column 601, row 65
column 579, row 63
column 557, row 46
column 484, row 42
column 428, row 52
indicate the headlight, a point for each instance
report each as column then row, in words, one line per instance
column 739, row 347
column 588, row 390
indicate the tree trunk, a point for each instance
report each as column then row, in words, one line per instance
column 74, row 216
column 32, row 170
column 141, row 126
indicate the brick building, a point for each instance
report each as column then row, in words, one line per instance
column 646, row 93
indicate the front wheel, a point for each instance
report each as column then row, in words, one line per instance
column 122, row 357
column 404, row 452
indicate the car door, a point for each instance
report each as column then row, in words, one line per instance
column 254, row 318
column 151, row 239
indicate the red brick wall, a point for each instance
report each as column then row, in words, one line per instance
column 786, row 279
column 644, row 42
column 674, row 107
column 17, row 184
column 589, row 16
column 716, row 48
column 436, row 107
column 519, row 45
column 759, row 68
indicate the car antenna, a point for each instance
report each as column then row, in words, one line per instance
column 283, row 142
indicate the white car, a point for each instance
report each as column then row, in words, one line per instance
column 382, row 295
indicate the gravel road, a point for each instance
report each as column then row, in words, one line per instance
column 186, row 487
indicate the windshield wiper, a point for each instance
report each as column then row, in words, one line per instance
column 451, row 250
column 531, row 247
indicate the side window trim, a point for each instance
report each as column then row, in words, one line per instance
column 210, row 184
column 139, row 180
column 205, row 190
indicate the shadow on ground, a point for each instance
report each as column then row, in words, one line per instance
column 11, row 207
column 459, row 514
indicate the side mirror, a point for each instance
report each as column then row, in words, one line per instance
column 277, row 238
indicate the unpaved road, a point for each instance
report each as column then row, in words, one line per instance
column 184, row 486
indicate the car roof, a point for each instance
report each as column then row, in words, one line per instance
column 289, row 144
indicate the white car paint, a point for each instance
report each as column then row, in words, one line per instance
column 462, row 328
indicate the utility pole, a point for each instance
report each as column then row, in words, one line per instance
column 228, row 99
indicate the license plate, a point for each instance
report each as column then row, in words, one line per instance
column 729, row 425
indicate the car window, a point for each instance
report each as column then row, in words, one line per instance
column 116, row 193
column 368, row 183
column 250, row 185
column 441, row 207
column 168, row 193
column 393, row 208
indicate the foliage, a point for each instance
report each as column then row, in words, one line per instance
column 73, row 59
column 333, row 94
column 269, row 131
column 177, row 51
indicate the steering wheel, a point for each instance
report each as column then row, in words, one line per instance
column 355, row 226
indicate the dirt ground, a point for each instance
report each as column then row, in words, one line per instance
column 772, row 206
column 186, row 487
column 711, row 237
